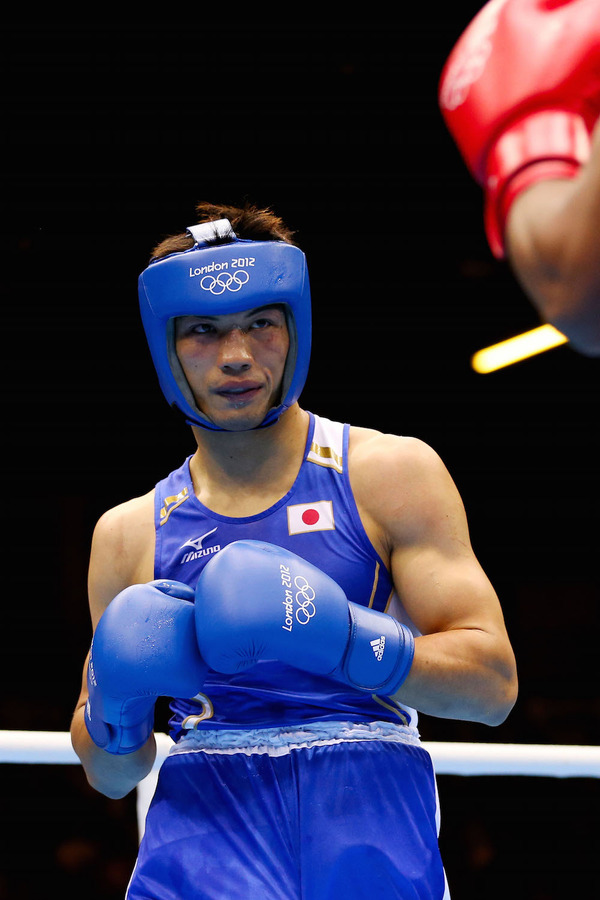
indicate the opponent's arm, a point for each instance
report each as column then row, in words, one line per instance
column 520, row 93
column 552, row 245
column 464, row 666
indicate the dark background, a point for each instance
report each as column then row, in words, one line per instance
column 111, row 133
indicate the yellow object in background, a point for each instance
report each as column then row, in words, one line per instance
column 517, row 348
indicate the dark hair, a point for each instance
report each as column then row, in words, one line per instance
column 247, row 221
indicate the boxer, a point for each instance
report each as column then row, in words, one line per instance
column 335, row 596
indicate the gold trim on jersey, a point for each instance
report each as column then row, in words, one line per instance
column 375, row 583
column 171, row 503
column 325, row 456
column 389, row 600
column 393, row 709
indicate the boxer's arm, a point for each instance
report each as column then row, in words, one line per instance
column 121, row 554
column 463, row 666
column 114, row 776
column 552, row 245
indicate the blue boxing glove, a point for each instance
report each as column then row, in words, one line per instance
column 256, row 601
column 144, row 647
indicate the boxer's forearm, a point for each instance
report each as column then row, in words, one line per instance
column 466, row 674
column 112, row 775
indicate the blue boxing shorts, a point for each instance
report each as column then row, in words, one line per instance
column 324, row 812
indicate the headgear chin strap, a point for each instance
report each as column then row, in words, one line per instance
column 213, row 279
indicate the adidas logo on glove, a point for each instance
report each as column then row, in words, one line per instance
column 378, row 646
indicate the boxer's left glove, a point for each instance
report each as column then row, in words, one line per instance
column 144, row 647
column 256, row 601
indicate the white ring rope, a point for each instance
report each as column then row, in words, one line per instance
column 551, row 760
column 546, row 760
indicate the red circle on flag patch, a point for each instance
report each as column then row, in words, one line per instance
column 310, row 516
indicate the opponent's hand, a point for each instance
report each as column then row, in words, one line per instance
column 520, row 93
column 256, row 601
column 144, row 647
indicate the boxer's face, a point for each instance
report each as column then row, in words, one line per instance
column 234, row 364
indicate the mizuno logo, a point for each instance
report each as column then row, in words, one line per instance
column 378, row 646
column 197, row 549
column 196, row 543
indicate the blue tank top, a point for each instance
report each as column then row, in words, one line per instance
column 318, row 520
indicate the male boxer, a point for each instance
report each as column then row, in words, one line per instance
column 299, row 587
column 520, row 93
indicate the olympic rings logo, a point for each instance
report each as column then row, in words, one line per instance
column 224, row 282
column 306, row 607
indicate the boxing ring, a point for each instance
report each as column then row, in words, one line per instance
column 469, row 759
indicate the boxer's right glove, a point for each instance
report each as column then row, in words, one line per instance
column 144, row 647
column 520, row 94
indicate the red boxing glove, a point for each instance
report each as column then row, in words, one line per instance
column 520, row 94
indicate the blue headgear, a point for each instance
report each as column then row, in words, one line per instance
column 216, row 279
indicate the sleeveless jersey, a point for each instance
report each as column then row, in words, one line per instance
column 318, row 520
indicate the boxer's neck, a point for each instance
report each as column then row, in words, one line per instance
column 243, row 473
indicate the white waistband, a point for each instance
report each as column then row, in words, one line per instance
column 279, row 741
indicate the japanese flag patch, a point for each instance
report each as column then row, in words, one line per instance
column 304, row 517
